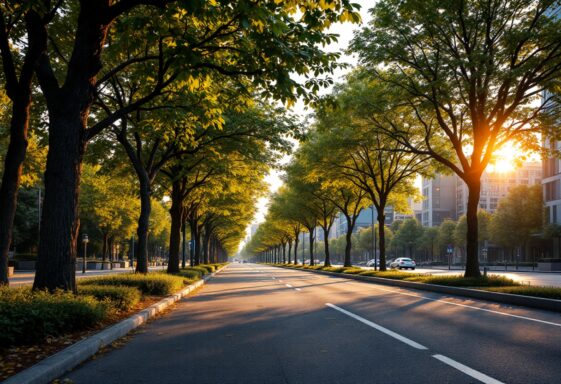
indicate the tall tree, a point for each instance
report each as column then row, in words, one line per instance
column 264, row 42
column 472, row 73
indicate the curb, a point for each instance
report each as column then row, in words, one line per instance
column 63, row 361
column 503, row 298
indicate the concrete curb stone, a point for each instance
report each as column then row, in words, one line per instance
column 504, row 298
column 61, row 362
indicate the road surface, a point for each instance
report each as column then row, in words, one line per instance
column 260, row 324
column 26, row 278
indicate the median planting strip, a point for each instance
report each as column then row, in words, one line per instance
column 61, row 362
column 497, row 288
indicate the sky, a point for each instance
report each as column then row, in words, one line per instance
column 345, row 32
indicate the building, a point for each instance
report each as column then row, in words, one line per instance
column 446, row 196
column 495, row 185
column 364, row 220
column 439, row 200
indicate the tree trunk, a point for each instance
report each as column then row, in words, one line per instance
column 327, row 262
column 11, row 178
column 197, row 258
column 56, row 259
column 104, row 248
column 143, row 225
column 289, row 250
column 311, row 248
column 472, row 261
column 284, row 253
column 206, row 246
column 176, row 213
column 296, row 241
column 348, row 243
column 381, row 236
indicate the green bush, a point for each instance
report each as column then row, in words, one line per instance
column 122, row 298
column 209, row 267
column 190, row 273
column 396, row 275
column 353, row 270
column 528, row 290
column 199, row 268
column 29, row 317
column 334, row 269
column 460, row 281
column 158, row 284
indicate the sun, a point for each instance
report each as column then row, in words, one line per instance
column 505, row 159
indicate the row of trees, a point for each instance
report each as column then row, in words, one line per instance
column 175, row 88
column 518, row 218
column 438, row 86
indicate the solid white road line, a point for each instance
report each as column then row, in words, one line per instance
column 289, row 286
column 470, row 306
column 397, row 336
column 467, row 370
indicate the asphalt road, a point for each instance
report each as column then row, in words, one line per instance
column 259, row 324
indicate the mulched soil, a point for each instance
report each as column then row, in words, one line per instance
column 16, row 359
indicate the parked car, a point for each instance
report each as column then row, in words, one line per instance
column 403, row 263
column 372, row 262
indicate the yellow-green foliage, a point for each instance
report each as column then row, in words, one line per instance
column 158, row 284
column 121, row 297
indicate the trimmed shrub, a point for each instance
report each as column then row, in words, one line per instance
column 460, row 281
column 528, row 290
column 158, row 284
column 353, row 270
column 121, row 297
column 191, row 274
column 30, row 316
column 199, row 268
column 396, row 275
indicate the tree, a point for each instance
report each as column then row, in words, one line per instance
column 19, row 59
column 472, row 73
column 179, row 40
column 409, row 236
column 445, row 237
column 460, row 233
column 360, row 151
column 518, row 215
column 429, row 240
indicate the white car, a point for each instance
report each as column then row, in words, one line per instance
column 403, row 263
column 371, row 263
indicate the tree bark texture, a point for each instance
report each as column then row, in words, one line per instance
column 176, row 213
column 472, row 260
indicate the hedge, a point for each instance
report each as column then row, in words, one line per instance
column 121, row 297
column 28, row 316
column 157, row 284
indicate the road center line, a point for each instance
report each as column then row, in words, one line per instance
column 471, row 307
column 397, row 336
column 467, row 370
column 289, row 286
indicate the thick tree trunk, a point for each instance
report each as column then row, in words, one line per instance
column 197, row 257
column 11, row 178
column 176, row 213
column 327, row 261
column 289, row 251
column 143, row 226
column 56, row 260
column 284, row 253
column 472, row 261
column 381, row 236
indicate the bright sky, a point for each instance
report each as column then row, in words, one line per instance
column 345, row 32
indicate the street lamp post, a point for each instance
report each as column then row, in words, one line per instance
column 85, row 240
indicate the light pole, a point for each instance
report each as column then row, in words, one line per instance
column 85, row 240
